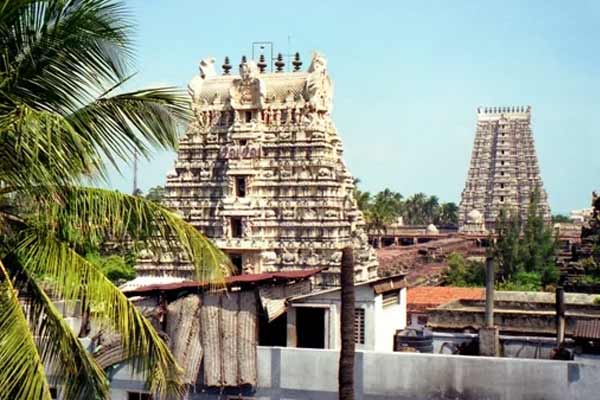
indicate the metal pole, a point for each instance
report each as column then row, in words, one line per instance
column 560, row 315
column 489, row 292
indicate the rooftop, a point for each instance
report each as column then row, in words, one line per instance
column 423, row 297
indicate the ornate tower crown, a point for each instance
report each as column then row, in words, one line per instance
column 260, row 172
column 504, row 170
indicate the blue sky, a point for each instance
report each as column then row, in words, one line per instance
column 408, row 77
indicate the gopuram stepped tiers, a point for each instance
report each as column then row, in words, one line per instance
column 504, row 169
column 260, row 172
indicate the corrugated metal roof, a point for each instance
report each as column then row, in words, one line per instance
column 587, row 329
column 229, row 281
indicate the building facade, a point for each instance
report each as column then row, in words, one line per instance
column 504, row 170
column 260, row 172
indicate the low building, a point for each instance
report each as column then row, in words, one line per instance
column 422, row 298
column 526, row 322
column 313, row 319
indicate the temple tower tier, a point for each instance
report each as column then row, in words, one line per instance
column 504, row 169
column 260, row 172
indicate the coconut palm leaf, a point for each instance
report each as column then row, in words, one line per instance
column 22, row 375
column 74, row 278
column 85, row 217
column 60, row 348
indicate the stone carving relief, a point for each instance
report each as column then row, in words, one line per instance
column 206, row 71
column 319, row 88
column 249, row 90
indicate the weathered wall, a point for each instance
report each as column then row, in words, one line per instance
column 301, row 374
column 288, row 373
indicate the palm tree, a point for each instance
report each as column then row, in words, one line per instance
column 346, row 365
column 63, row 117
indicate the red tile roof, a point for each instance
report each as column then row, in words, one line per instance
column 423, row 297
column 229, row 281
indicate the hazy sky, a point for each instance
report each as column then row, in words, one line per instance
column 408, row 77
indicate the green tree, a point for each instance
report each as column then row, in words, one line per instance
column 526, row 249
column 462, row 272
column 156, row 194
column 118, row 269
column 63, row 116
column 560, row 218
column 506, row 247
column 538, row 246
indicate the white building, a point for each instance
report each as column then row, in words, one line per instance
column 313, row 320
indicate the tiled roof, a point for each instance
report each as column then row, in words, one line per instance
column 423, row 297
column 587, row 329
column 245, row 279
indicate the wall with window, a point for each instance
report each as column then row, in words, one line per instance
column 377, row 317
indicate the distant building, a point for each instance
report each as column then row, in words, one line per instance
column 420, row 299
column 504, row 169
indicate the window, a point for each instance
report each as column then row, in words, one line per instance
column 248, row 116
column 502, row 199
column 138, row 396
column 422, row 320
column 502, row 173
column 501, row 162
column 359, row 325
column 501, row 151
column 391, row 298
column 54, row 393
column 236, row 228
column 502, row 186
column 237, row 261
column 240, row 186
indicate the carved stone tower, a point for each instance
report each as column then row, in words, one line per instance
column 504, row 169
column 260, row 171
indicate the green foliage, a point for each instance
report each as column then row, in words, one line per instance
column 524, row 251
column 156, row 194
column 64, row 118
column 118, row 269
column 385, row 207
column 560, row 218
column 523, row 281
column 597, row 300
column 463, row 272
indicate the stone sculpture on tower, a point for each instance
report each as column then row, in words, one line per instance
column 260, row 172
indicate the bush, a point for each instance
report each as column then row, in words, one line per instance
column 117, row 268
column 463, row 272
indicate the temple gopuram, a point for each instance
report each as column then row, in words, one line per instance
column 260, row 172
column 504, row 169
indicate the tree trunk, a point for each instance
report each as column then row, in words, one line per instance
column 346, row 369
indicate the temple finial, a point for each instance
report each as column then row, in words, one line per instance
column 262, row 65
column 226, row 66
column 279, row 63
column 297, row 63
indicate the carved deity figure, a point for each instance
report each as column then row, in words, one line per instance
column 206, row 70
column 249, row 90
column 319, row 89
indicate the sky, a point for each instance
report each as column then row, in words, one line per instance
column 408, row 78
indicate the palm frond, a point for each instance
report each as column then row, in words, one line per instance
column 22, row 376
column 87, row 216
column 71, row 363
column 133, row 121
column 74, row 278
column 57, row 51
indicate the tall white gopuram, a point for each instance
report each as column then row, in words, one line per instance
column 260, row 171
column 504, row 169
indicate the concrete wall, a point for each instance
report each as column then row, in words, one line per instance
column 312, row 374
column 295, row 374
